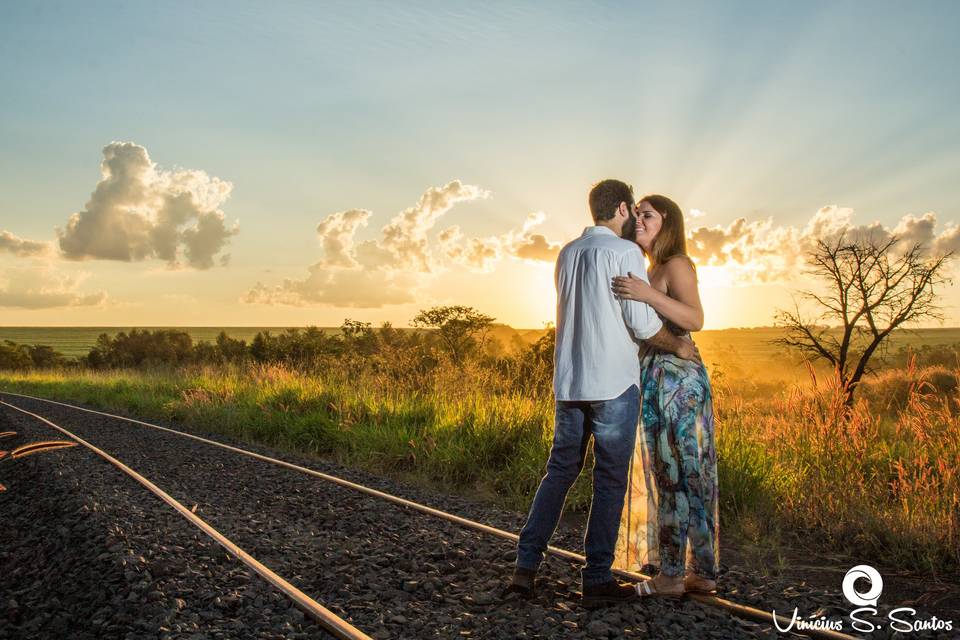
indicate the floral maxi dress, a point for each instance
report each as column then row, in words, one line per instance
column 670, row 518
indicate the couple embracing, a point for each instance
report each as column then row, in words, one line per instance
column 627, row 373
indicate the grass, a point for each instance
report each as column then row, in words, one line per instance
column 879, row 480
column 457, row 440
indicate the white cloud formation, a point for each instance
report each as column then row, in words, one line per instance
column 359, row 288
column 760, row 251
column 138, row 211
column 44, row 288
column 477, row 254
column 482, row 254
column 405, row 237
column 922, row 230
column 527, row 245
column 22, row 248
column 373, row 273
column 336, row 233
column 394, row 268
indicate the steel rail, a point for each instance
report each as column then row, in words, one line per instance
column 736, row 609
column 326, row 618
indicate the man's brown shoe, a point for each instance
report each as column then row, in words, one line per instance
column 522, row 583
column 612, row 592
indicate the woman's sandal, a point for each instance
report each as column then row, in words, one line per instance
column 697, row 584
column 647, row 589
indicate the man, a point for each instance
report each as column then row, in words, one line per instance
column 596, row 378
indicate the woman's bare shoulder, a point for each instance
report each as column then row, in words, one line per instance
column 680, row 265
column 679, row 260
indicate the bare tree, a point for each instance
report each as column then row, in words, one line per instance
column 872, row 288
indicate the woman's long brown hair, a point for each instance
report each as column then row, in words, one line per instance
column 672, row 239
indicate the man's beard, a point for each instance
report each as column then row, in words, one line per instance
column 629, row 228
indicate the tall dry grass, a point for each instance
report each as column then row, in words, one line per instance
column 879, row 479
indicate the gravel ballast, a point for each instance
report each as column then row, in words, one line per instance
column 89, row 553
column 96, row 555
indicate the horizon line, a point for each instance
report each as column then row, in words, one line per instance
column 305, row 326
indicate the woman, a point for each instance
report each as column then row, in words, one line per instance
column 670, row 518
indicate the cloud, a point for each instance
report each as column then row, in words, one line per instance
column 22, row 248
column 405, row 237
column 482, row 254
column 44, row 288
column 138, row 211
column 948, row 241
column 359, row 288
column 922, row 230
column 395, row 268
column 374, row 273
column 477, row 254
column 526, row 245
column 336, row 233
column 760, row 251
column 537, row 247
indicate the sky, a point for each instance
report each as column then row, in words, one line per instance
column 299, row 163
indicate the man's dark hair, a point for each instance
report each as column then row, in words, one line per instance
column 606, row 196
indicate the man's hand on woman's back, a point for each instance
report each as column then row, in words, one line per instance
column 666, row 341
column 689, row 351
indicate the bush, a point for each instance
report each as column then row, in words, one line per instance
column 21, row 357
column 141, row 348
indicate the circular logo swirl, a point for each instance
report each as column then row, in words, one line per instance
column 868, row 598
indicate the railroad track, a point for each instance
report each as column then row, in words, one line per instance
column 328, row 620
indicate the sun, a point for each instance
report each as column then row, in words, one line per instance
column 711, row 277
column 542, row 295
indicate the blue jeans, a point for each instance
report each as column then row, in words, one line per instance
column 613, row 425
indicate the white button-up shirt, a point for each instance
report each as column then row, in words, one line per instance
column 596, row 357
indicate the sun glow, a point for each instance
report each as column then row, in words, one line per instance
column 724, row 302
column 540, row 297
column 711, row 277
